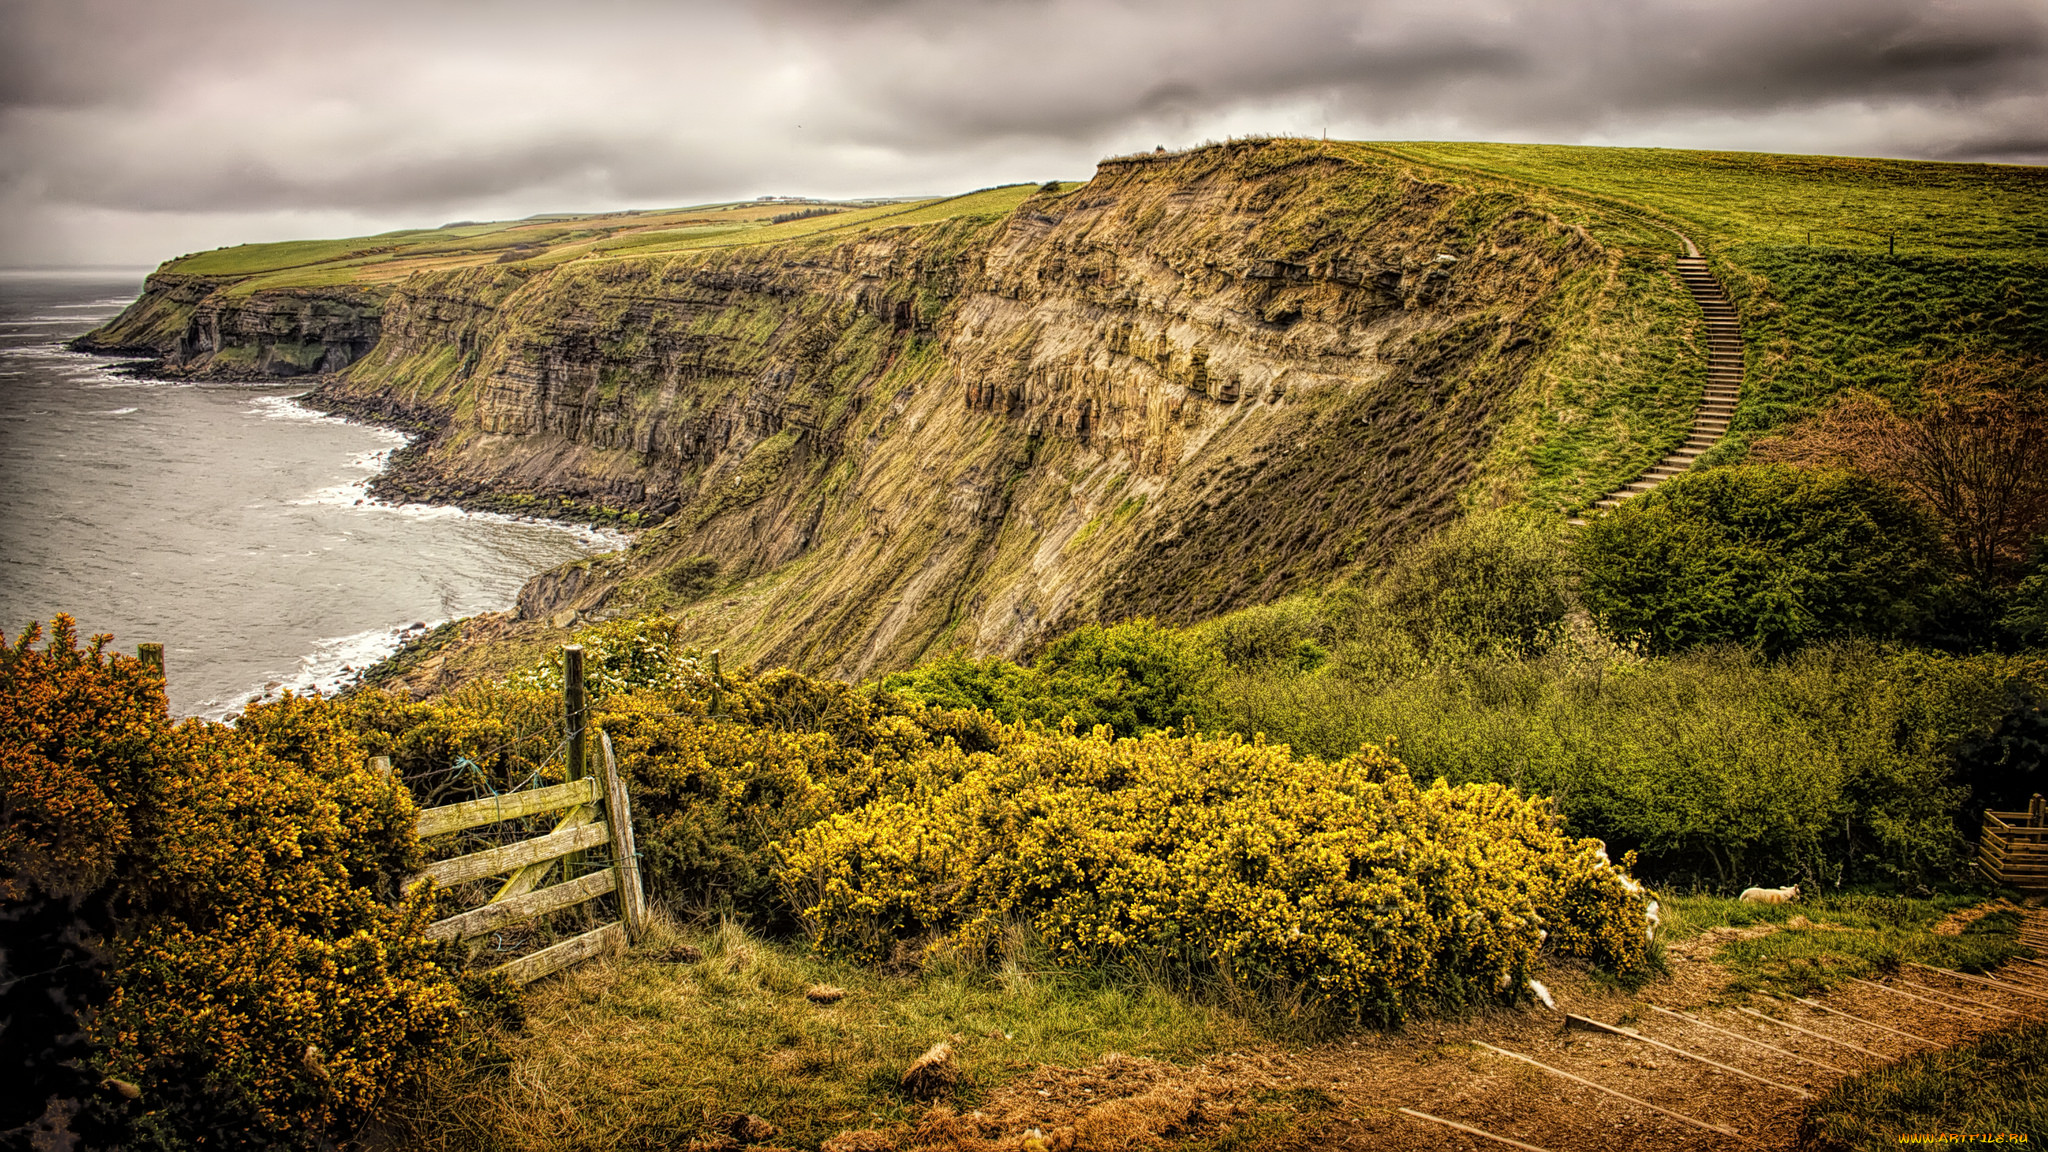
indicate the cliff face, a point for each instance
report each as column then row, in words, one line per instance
column 1195, row 382
column 199, row 326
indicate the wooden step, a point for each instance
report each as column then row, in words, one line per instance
column 1722, row 395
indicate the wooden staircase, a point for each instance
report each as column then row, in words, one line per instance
column 1724, row 379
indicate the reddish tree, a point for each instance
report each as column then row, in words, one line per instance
column 1975, row 451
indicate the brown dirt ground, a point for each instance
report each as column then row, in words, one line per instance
column 1349, row 1089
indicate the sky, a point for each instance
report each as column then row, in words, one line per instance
column 132, row 131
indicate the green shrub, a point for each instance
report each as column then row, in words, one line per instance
column 710, row 798
column 1493, row 581
column 1769, row 557
column 1843, row 761
column 1134, row 677
column 622, row 656
column 1292, row 633
column 2026, row 610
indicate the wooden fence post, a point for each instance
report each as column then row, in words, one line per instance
column 717, row 692
column 2035, row 808
column 575, row 707
column 625, row 856
column 576, row 713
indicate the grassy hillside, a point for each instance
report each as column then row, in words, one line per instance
column 549, row 240
column 1848, row 272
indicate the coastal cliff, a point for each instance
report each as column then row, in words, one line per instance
column 1195, row 382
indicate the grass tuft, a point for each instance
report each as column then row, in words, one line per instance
column 1997, row 1085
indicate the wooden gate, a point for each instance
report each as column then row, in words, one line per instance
column 2013, row 850
column 596, row 814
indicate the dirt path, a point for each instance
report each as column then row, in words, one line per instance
column 1351, row 1092
column 1446, row 1076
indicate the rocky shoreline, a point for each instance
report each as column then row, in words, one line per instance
column 411, row 476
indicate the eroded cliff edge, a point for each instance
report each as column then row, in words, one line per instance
column 1195, row 382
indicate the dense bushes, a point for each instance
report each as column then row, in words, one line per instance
column 1770, row 557
column 1341, row 888
column 1844, row 762
column 1134, row 677
column 238, row 961
column 1496, row 581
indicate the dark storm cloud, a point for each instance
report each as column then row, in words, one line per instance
column 197, row 118
column 1071, row 70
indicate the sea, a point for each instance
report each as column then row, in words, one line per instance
column 226, row 522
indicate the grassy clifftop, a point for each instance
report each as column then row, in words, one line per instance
column 1849, row 272
column 550, row 240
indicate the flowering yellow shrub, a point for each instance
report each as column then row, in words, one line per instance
column 1342, row 886
column 244, row 965
column 267, row 984
column 479, row 739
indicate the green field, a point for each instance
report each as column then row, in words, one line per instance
column 1848, row 272
column 1948, row 211
column 555, row 240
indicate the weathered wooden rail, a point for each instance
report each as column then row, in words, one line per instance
column 596, row 813
column 2013, row 850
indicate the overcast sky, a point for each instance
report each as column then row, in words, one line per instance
column 135, row 130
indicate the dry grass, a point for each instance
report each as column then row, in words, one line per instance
column 641, row 1051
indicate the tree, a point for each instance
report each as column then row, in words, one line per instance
column 1975, row 452
column 1769, row 557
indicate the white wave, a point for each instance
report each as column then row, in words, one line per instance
column 331, row 666
column 119, row 411
column 600, row 539
column 289, row 409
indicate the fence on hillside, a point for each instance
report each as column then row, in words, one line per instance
column 2013, row 850
column 589, row 850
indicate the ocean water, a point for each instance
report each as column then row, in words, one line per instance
column 227, row 523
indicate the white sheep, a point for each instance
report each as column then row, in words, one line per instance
column 1770, row 895
column 1650, row 914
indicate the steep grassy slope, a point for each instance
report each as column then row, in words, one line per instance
column 1195, row 382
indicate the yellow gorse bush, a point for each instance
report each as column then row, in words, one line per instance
column 1342, row 887
column 239, row 960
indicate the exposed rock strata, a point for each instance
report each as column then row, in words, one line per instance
column 1189, row 385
